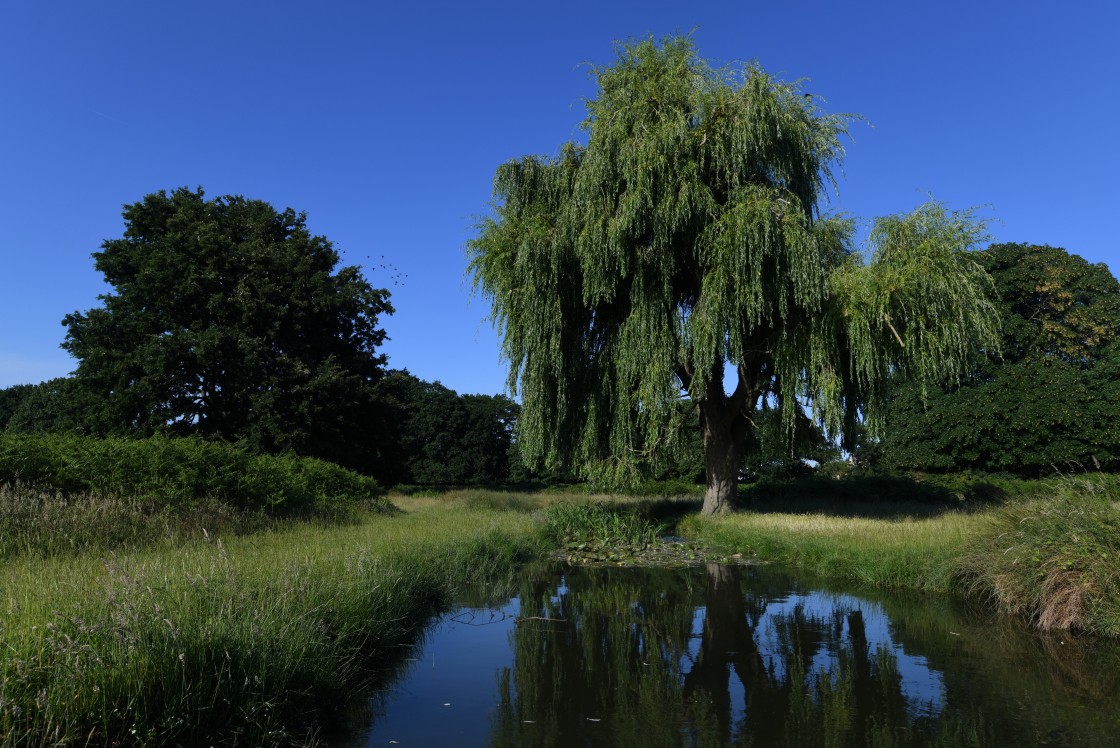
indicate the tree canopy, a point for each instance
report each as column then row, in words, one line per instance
column 228, row 319
column 685, row 240
column 56, row 405
column 436, row 436
column 1049, row 402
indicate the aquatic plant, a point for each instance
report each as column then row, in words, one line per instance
column 600, row 525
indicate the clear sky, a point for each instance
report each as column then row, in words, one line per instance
column 385, row 122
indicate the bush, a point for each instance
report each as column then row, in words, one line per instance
column 176, row 472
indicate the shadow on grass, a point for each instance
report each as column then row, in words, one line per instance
column 855, row 495
column 875, row 496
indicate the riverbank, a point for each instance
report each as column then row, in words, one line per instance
column 903, row 553
column 254, row 639
column 1051, row 555
column 259, row 638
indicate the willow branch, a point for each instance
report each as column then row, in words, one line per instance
column 887, row 319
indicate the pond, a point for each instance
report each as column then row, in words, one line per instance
column 738, row 655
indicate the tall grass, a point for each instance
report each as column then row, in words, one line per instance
column 250, row 641
column 176, row 472
column 40, row 523
column 1050, row 554
column 1054, row 560
column 595, row 524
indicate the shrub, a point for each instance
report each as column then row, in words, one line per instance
column 176, row 472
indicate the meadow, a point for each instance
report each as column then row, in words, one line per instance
column 1046, row 550
column 257, row 636
column 131, row 618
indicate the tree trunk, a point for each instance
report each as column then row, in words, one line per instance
column 725, row 433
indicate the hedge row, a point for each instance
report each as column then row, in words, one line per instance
column 177, row 472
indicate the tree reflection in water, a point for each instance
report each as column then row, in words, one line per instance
column 669, row 658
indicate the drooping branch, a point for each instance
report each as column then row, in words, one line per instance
column 686, row 236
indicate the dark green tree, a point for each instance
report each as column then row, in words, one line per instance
column 10, row 400
column 439, row 437
column 1049, row 402
column 229, row 320
column 55, row 405
column 686, row 240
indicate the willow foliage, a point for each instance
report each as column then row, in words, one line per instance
column 687, row 234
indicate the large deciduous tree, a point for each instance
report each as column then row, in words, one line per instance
column 1050, row 400
column 228, row 319
column 684, row 240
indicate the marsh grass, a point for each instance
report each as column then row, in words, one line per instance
column 250, row 640
column 1054, row 560
column 599, row 525
column 1050, row 554
column 258, row 639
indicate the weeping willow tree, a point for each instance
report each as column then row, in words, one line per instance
column 684, row 246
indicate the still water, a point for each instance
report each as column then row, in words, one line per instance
column 742, row 656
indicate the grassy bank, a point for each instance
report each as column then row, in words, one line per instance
column 913, row 552
column 1054, row 560
column 254, row 639
column 1049, row 554
column 258, row 638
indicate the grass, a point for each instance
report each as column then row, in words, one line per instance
column 1049, row 554
column 594, row 524
column 183, row 631
column 1053, row 560
column 912, row 551
column 44, row 524
column 254, row 639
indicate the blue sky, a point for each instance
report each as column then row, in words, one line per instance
column 385, row 122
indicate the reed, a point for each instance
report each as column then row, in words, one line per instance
column 597, row 524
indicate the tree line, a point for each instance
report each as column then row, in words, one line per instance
column 227, row 320
column 682, row 246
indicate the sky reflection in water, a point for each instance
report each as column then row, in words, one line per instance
column 739, row 656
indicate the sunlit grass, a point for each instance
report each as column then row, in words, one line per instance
column 904, row 552
column 1050, row 556
column 259, row 636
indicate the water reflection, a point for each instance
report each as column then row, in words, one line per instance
column 746, row 656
